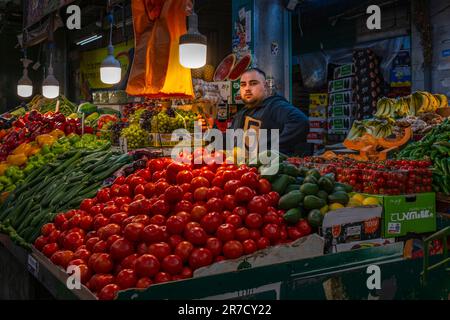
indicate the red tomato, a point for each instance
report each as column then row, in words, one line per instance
column 160, row 250
column 157, row 219
column 254, row 221
column 198, row 212
column 142, row 218
column 73, row 240
column 271, row 217
column 215, row 204
column 192, row 224
column 175, row 224
column 214, row 192
column 231, row 186
column 59, row 220
column 226, row 214
column 99, row 281
column 129, row 262
column 139, row 189
column 186, row 216
column 126, row 221
column 126, row 279
column 172, row 264
column 218, row 181
column 100, row 246
column 109, row 292
column 155, row 165
column 258, row 205
column 62, row 258
column 158, row 175
column 75, row 221
column 86, row 222
column 229, row 175
column 225, row 232
column 160, row 207
column 144, row 283
column 160, row 187
column 82, row 254
column 184, row 249
column 103, row 195
column 199, row 182
column 85, row 273
column 120, row 249
column 184, row 176
column 275, row 197
column 264, row 186
column 304, row 227
column 229, row 202
column 112, row 239
column 214, row 245
column 108, row 230
column 174, row 240
column 147, row 265
column 161, row 277
column 255, row 234
column 240, row 211
column 186, row 273
column 235, row 220
column 250, row 179
column 183, row 205
column 142, row 248
column 47, row 229
column 188, row 196
column 200, row 257
column 145, row 174
column 153, row 233
column 243, row 194
column 262, row 243
column 40, row 242
column 195, row 235
column 200, row 194
column 186, row 187
column 211, row 221
column 294, row 233
column 135, row 181
column 133, row 231
column 242, row 234
column 149, row 189
column 54, row 236
column 271, row 231
column 174, row 194
column 120, row 180
column 249, row 246
column 232, row 249
column 125, row 191
column 87, row 204
column 91, row 242
column 103, row 263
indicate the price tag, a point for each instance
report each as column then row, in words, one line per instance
column 123, row 145
column 33, row 265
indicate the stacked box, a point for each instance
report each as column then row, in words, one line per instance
column 317, row 118
column 368, row 82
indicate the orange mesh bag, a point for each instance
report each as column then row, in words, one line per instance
column 156, row 71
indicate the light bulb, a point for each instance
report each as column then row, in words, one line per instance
column 110, row 70
column 192, row 48
column 50, row 86
column 24, row 90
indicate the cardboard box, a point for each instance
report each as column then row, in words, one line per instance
column 344, row 110
column 341, row 125
column 415, row 213
column 318, row 99
column 348, row 225
column 344, row 97
column 343, row 84
column 344, row 71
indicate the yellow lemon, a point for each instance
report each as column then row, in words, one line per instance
column 354, row 203
column 358, row 197
column 335, row 206
column 371, row 201
column 324, row 210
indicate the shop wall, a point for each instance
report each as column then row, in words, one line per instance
column 10, row 71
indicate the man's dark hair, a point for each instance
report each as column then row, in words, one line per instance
column 256, row 70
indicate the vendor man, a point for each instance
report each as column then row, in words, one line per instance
column 266, row 111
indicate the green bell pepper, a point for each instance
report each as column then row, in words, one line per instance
column 5, row 180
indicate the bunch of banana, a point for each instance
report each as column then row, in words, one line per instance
column 424, row 102
column 385, row 107
column 381, row 127
column 443, row 101
column 401, row 107
column 357, row 131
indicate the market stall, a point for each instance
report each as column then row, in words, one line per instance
column 96, row 203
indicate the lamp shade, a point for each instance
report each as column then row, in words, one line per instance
column 192, row 47
column 110, row 70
